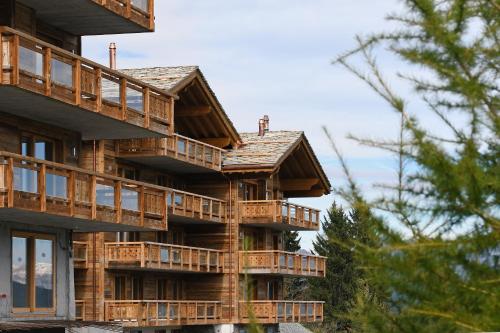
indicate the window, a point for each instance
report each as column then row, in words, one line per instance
column 120, row 288
column 32, row 272
column 137, row 288
column 38, row 147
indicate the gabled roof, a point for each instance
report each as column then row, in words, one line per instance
column 175, row 79
column 287, row 152
column 166, row 78
column 262, row 152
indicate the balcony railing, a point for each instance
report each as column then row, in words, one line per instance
column 280, row 262
column 158, row 152
column 80, row 310
column 156, row 256
column 140, row 12
column 163, row 313
column 279, row 214
column 72, row 197
column 273, row 312
column 83, row 96
column 80, row 254
column 184, row 205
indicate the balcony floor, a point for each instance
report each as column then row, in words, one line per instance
column 275, row 225
column 63, row 222
column 82, row 17
column 168, row 163
column 91, row 125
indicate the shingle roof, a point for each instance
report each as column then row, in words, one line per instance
column 262, row 151
column 293, row 328
column 168, row 78
column 161, row 77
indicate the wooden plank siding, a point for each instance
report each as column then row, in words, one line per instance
column 78, row 82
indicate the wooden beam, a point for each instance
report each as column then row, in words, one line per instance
column 193, row 111
column 298, row 184
column 217, row 142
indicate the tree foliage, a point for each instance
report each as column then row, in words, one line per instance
column 341, row 232
column 432, row 263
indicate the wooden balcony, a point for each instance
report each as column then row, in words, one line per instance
column 162, row 257
column 80, row 254
column 176, row 152
column 281, row 263
column 188, row 207
column 279, row 214
column 41, row 82
column 96, row 17
column 274, row 312
column 163, row 313
column 39, row 192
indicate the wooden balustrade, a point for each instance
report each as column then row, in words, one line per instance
column 80, row 254
column 163, row 313
column 80, row 310
column 281, row 262
column 188, row 205
column 273, row 312
column 280, row 214
column 140, row 12
column 38, row 186
column 41, row 68
column 173, row 147
column 157, row 256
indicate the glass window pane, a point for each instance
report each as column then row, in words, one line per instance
column 44, row 150
column 130, row 200
column 20, row 289
column 25, row 180
column 110, row 90
column 141, row 4
column 30, row 61
column 135, row 100
column 56, row 186
column 105, row 195
column 62, row 73
column 44, row 273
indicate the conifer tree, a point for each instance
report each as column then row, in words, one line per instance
column 341, row 231
column 432, row 263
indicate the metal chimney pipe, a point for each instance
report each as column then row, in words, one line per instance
column 112, row 55
column 266, row 123
column 262, row 127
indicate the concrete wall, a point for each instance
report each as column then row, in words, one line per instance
column 64, row 286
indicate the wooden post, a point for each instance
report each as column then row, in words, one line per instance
column 1, row 58
column 98, row 89
column 141, row 205
column 146, row 107
column 93, row 197
column 151, row 9
column 10, row 183
column 42, row 189
column 118, row 201
column 71, row 192
column 15, row 60
column 143, row 253
column 123, row 94
column 77, row 81
column 47, row 64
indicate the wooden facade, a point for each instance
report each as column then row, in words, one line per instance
column 176, row 218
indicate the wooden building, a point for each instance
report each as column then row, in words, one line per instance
column 159, row 215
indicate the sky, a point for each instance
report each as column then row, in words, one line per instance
column 274, row 57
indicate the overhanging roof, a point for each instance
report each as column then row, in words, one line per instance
column 286, row 152
column 176, row 80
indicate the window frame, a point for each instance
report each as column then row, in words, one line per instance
column 31, row 263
